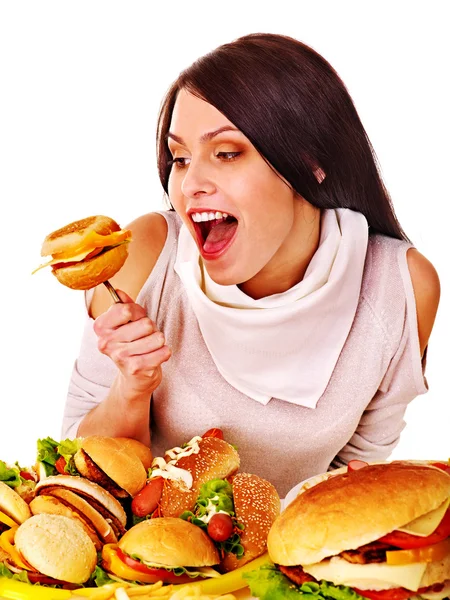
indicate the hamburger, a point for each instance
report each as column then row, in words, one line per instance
column 13, row 509
column 21, row 479
column 165, row 549
column 49, row 550
column 87, row 252
column 100, row 515
column 175, row 480
column 110, row 463
column 380, row 532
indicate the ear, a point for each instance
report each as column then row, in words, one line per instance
column 319, row 174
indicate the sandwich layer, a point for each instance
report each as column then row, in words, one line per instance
column 355, row 508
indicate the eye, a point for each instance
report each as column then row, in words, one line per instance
column 228, row 156
column 180, row 162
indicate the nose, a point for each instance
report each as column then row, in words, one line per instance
column 197, row 181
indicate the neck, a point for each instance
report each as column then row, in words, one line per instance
column 288, row 266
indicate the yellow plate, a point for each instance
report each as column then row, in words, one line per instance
column 230, row 582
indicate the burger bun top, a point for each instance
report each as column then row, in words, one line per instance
column 13, row 505
column 354, row 508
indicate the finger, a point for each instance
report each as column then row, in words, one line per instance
column 124, row 296
column 145, row 364
column 118, row 315
column 135, row 330
column 147, row 344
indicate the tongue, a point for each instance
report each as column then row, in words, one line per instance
column 219, row 235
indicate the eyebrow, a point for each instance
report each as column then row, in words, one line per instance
column 206, row 137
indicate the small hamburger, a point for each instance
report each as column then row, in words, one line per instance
column 50, row 550
column 165, row 549
column 87, row 252
column 380, row 532
column 101, row 516
column 110, row 463
column 237, row 515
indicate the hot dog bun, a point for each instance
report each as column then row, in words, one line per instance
column 216, row 459
column 87, row 252
column 256, row 506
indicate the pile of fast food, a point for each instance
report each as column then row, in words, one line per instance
column 100, row 514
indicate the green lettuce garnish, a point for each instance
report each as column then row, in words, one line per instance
column 10, row 475
column 49, row 450
column 5, row 572
column 268, row 583
column 219, row 493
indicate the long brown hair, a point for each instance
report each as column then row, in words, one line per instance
column 294, row 108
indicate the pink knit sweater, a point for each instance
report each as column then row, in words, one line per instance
column 360, row 414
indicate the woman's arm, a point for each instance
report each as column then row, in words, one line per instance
column 130, row 339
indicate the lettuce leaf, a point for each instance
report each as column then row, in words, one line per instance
column 49, row 450
column 219, row 493
column 5, row 572
column 268, row 583
column 10, row 475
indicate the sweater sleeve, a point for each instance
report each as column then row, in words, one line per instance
column 92, row 376
column 382, row 422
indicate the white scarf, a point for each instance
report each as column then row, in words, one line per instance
column 286, row 345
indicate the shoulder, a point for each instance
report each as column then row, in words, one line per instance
column 149, row 233
column 426, row 286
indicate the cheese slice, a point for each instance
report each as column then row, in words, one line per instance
column 193, row 571
column 372, row 576
column 426, row 524
column 7, row 520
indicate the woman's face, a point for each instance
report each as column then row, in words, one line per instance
column 242, row 215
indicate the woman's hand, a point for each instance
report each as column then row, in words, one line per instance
column 131, row 340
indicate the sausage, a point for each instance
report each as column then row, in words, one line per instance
column 147, row 500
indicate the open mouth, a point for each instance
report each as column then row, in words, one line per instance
column 214, row 230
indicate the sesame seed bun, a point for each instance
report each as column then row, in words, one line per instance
column 256, row 506
column 13, row 505
column 171, row 542
column 57, row 547
column 216, row 460
column 119, row 464
column 355, row 508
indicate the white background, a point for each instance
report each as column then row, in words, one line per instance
column 80, row 87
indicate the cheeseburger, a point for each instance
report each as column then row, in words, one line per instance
column 165, row 549
column 380, row 532
column 87, row 252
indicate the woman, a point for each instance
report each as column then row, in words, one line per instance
column 281, row 300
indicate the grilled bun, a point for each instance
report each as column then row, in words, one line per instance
column 13, row 505
column 87, row 274
column 142, row 451
column 57, row 547
column 171, row 542
column 122, row 467
column 355, row 508
column 51, row 505
column 216, row 459
column 256, row 506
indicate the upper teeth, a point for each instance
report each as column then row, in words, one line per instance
column 197, row 217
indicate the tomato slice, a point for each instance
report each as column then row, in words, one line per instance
column 443, row 466
column 43, row 579
column 433, row 553
column 159, row 574
column 214, row 432
column 407, row 541
column 392, row 594
column 60, row 465
column 26, row 475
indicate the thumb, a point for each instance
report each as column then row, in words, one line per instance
column 124, row 297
